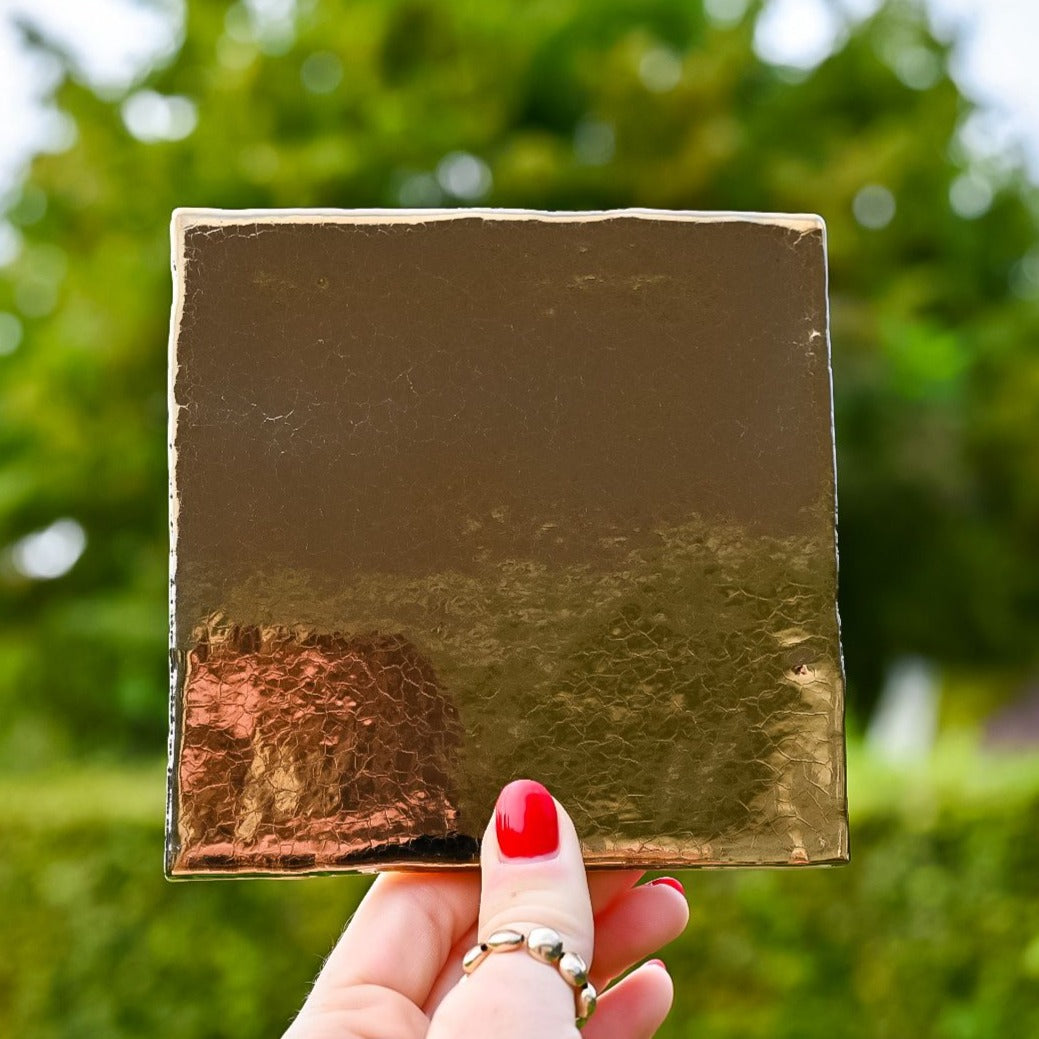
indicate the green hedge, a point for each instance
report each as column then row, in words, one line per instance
column 933, row 931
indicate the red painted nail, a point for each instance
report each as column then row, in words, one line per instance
column 656, row 963
column 525, row 821
column 669, row 882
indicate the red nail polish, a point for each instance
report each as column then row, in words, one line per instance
column 525, row 821
column 656, row 963
column 669, row 882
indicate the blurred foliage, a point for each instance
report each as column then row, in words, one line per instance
column 570, row 104
column 934, row 929
column 932, row 932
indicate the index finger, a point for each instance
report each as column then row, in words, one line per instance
column 401, row 935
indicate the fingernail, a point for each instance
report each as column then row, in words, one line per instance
column 656, row 963
column 525, row 821
column 669, row 882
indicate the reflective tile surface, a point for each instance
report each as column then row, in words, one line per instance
column 464, row 496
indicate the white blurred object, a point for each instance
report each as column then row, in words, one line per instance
column 51, row 552
column 874, row 206
column 994, row 65
column 154, row 117
column 798, row 33
column 111, row 44
column 463, row 175
column 905, row 723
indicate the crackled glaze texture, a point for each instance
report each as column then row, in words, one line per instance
column 463, row 496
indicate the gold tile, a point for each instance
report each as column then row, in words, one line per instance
column 463, row 496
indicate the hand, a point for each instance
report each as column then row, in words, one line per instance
column 395, row 972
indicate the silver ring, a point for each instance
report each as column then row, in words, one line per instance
column 546, row 946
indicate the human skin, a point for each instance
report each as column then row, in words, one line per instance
column 396, row 971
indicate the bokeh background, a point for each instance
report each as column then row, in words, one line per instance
column 861, row 111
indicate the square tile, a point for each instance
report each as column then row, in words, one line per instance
column 461, row 496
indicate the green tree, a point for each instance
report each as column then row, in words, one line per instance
column 575, row 104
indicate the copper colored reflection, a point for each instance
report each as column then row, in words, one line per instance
column 464, row 496
column 308, row 751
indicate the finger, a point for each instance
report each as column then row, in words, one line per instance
column 400, row 936
column 635, row 925
column 605, row 888
column 635, row 1007
column 532, row 870
column 360, row 1012
column 532, row 876
column 451, row 974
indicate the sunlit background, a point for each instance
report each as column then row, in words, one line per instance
column 913, row 128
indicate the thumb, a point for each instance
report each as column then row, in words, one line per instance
column 533, row 876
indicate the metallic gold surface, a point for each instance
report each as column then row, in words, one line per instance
column 474, row 957
column 459, row 497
